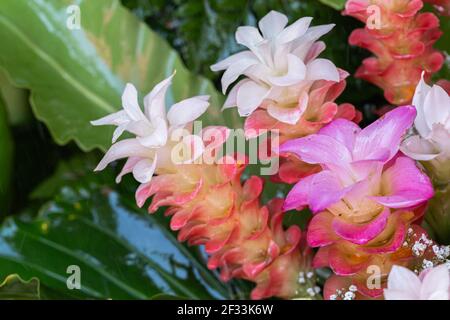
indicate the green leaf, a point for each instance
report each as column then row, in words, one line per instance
column 6, row 156
column 122, row 252
column 16, row 101
column 335, row 4
column 77, row 75
column 15, row 288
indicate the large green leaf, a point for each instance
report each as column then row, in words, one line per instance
column 335, row 4
column 15, row 288
column 122, row 252
column 6, row 154
column 77, row 75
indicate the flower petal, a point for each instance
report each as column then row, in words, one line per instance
column 403, row 284
column 296, row 72
column 295, row 30
column 322, row 69
column 385, row 133
column 187, row 110
column 404, row 185
column 127, row 168
column 154, row 102
column 421, row 93
column 318, row 148
column 130, row 102
column 361, row 234
column 123, row 149
column 249, row 96
column 435, row 284
column 234, row 71
column 419, row 149
column 227, row 62
column 437, row 106
column 144, row 169
column 289, row 115
column 343, row 131
column 158, row 137
column 272, row 24
column 248, row 36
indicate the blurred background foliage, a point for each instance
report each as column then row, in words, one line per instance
column 55, row 210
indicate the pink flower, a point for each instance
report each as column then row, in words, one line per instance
column 280, row 67
column 156, row 131
column 431, row 284
column 361, row 168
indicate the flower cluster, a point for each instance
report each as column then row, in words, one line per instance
column 286, row 87
column 365, row 197
column 401, row 40
column 367, row 193
column 207, row 202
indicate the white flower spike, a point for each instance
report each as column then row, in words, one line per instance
column 277, row 60
column 432, row 141
column 152, row 127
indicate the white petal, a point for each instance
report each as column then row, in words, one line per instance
column 437, row 106
column 404, row 281
column 225, row 63
column 154, row 102
column 399, row 295
column 272, row 24
column 234, row 71
column 249, row 96
column 418, row 102
column 158, row 137
column 123, row 149
column 127, row 168
column 313, row 34
column 295, row 30
column 130, row 102
column 419, row 149
column 435, row 284
column 118, row 132
column 187, row 110
column 248, row 36
column 322, row 69
column 144, row 169
column 116, row 119
column 289, row 115
column 231, row 100
column 296, row 73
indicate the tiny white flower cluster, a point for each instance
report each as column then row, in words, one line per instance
column 308, row 279
column 421, row 245
column 345, row 294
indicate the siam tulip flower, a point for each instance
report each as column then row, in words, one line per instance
column 431, row 144
column 280, row 67
column 365, row 197
column 431, row 284
column 402, row 42
column 151, row 147
column 208, row 203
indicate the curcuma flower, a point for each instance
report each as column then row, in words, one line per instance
column 431, row 284
column 207, row 202
column 279, row 68
column 366, row 195
column 153, row 127
column 401, row 40
column 431, row 143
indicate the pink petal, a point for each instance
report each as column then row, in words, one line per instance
column 343, row 131
column 317, row 148
column 384, row 134
column 320, row 232
column 404, row 185
column 361, row 234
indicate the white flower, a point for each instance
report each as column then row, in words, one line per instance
column 432, row 124
column 431, row 284
column 281, row 57
column 152, row 127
